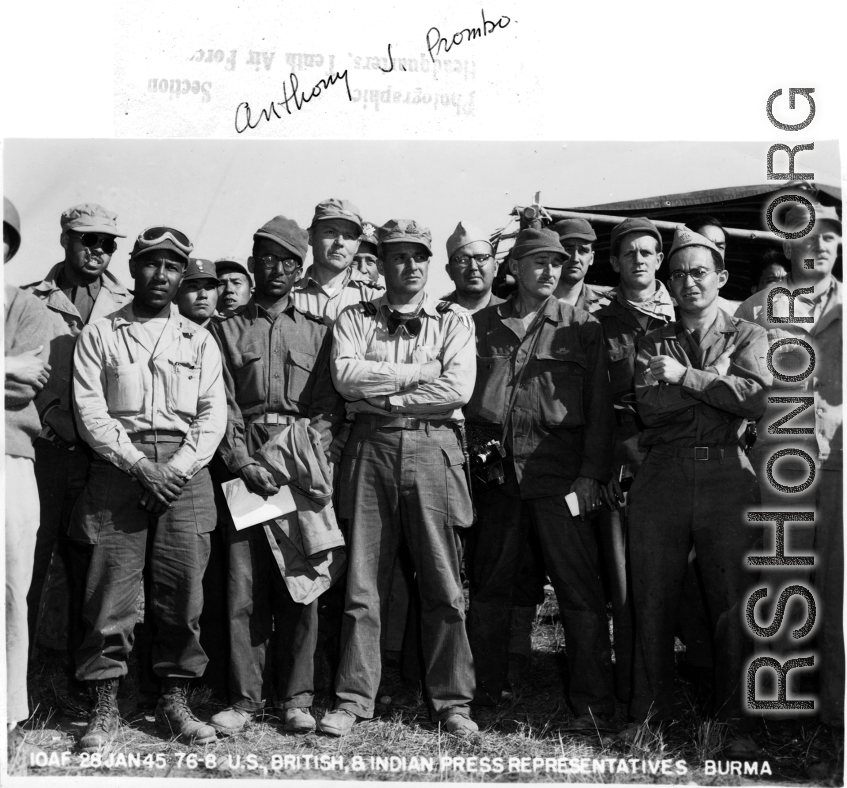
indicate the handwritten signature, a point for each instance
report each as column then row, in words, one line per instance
column 465, row 34
column 244, row 115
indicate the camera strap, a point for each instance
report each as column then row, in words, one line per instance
column 537, row 325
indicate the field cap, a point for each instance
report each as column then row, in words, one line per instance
column 797, row 218
column 333, row 208
column 287, row 233
column 683, row 237
column 12, row 223
column 368, row 238
column 404, row 231
column 90, row 218
column 233, row 263
column 464, row 234
column 162, row 237
column 200, row 268
column 633, row 224
column 574, row 228
column 531, row 240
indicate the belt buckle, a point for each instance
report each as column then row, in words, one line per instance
column 701, row 452
column 412, row 424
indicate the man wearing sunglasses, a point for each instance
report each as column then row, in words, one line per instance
column 276, row 371
column 697, row 381
column 333, row 282
column 405, row 364
column 76, row 291
column 149, row 400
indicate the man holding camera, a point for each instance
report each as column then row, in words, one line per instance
column 542, row 384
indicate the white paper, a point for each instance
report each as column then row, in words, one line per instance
column 247, row 508
column 573, row 504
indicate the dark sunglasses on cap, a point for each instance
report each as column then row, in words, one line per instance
column 95, row 240
column 155, row 235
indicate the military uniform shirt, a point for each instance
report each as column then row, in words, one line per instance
column 311, row 298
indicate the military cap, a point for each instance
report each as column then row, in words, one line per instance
column 233, row 263
column 200, row 268
column 634, row 224
column 463, row 235
column 333, row 208
column 530, row 241
column 287, row 233
column 12, row 226
column 90, row 218
column 574, row 228
column 683, row 237
column 368, row 237
column 404, row 231
column 797, row 217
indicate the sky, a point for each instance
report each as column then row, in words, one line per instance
column 220, row 192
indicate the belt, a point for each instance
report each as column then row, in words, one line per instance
column 700, row 452
column 273, row 418
column 402, row 423
column 157, row 436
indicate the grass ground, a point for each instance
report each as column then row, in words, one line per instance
column 527, row 735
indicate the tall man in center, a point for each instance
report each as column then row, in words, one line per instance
column 542, row 383
column 405, row 363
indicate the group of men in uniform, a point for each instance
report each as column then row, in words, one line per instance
column 366, row 402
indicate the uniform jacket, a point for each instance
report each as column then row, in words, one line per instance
column 562, row 425
column 367, row 361
column 707, row 408
column 66, row 325
column 824, row 334
column 122, row 386
column 592, row 297
column 274, row 366
column 310, row 297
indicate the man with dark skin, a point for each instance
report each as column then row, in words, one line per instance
column 276, row 370
column 149, row 400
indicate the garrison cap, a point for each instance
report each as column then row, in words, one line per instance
column 464, row 234
column 633, row 224
column 90, row 218
column 12, row 225
column 683, row 237
column 333, row 208
column 574, row 228
column 797, row 218
column 233, row 263
column 531, row 240
column 404, row 231
column 287, row 233
column 368, row 237
column 200, row 268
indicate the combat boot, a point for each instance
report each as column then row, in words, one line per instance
column 105, row 718
column 174, row 716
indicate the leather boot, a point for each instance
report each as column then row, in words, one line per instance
column 174, row 715
column 105, row 718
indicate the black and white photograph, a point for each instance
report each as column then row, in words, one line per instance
column 380, row 481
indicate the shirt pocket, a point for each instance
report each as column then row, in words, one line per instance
column 124, row 391
column 250, row 379
column 300, row 366
column 184, row 387
column 559, row 386
column 488, row 401
column 622, row 369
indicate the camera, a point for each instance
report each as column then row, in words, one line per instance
column 487, row 465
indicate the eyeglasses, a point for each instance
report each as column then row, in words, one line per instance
column 154, row 235
column 270, row 261
column 464, row 260
column 697, row 274
column 94, row 240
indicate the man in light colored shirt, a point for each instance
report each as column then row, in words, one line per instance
column 332, row 282
column 405, row 363
column 149, row 400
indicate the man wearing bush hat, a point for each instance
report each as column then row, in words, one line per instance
column 471, row 266
column 697, row 381
column 577, row 237
column 276, row 371
column 542, row 387
column 405, row 365
column 76, row 291
column 812, row 257
column 149, row 400
column 332, row 283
